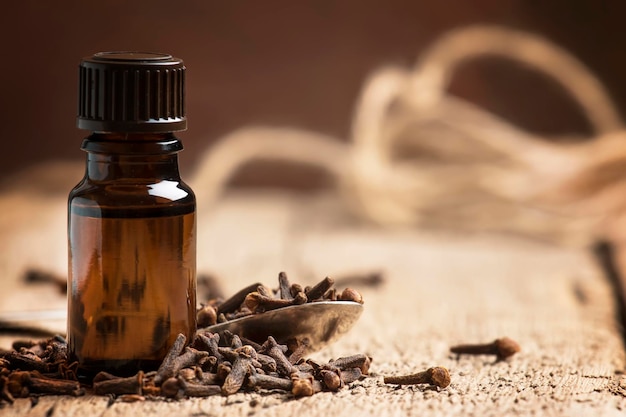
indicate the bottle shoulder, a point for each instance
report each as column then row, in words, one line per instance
column 128, row 198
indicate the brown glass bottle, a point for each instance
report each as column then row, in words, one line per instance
column 132, row 224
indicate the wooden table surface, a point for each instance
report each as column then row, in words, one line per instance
column 441, row 289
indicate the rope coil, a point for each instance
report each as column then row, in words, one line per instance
column 484, row 173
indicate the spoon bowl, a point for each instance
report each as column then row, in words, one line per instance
column 320, row 322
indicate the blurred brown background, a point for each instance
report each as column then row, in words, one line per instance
column 281, row 62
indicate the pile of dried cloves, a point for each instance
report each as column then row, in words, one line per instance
column 202, row 369
column 34, row 368
column 207, row 365
column 206, row 369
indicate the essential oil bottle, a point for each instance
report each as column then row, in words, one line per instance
column 132, row 220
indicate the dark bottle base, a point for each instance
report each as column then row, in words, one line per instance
column 123, row 368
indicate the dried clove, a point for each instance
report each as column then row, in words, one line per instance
column 235, row 301
column 437, row 376
column 26, row 362
column 277, row 352
column 223, row 369
column 171, row 365
column 118, row 386
column 268, row 364
column 332, row 379
column 209, row 378
column 360, row 361
column 305, row 366
column 319, row 289
column 232, row 339
column 259, row 303
column 269, row 382
column 302, row 386
column 173, row 388
column 22, row 383
column 210, row 343
column 56, row 352
column 206, row 316
column 284, row 287
column 295, row 289
column 350, row 375
column 201, row 390
column 350, row 295
column 18, row 384
column 55, row 387
column 242, row 367
column 190, row 357
column 503, row 348
column 166, row 370
column 188, row 374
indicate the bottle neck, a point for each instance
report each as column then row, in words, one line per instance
column 132, row 157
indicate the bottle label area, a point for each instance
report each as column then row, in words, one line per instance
column 131, row 287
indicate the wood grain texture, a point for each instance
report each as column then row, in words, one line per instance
column 440, row 290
